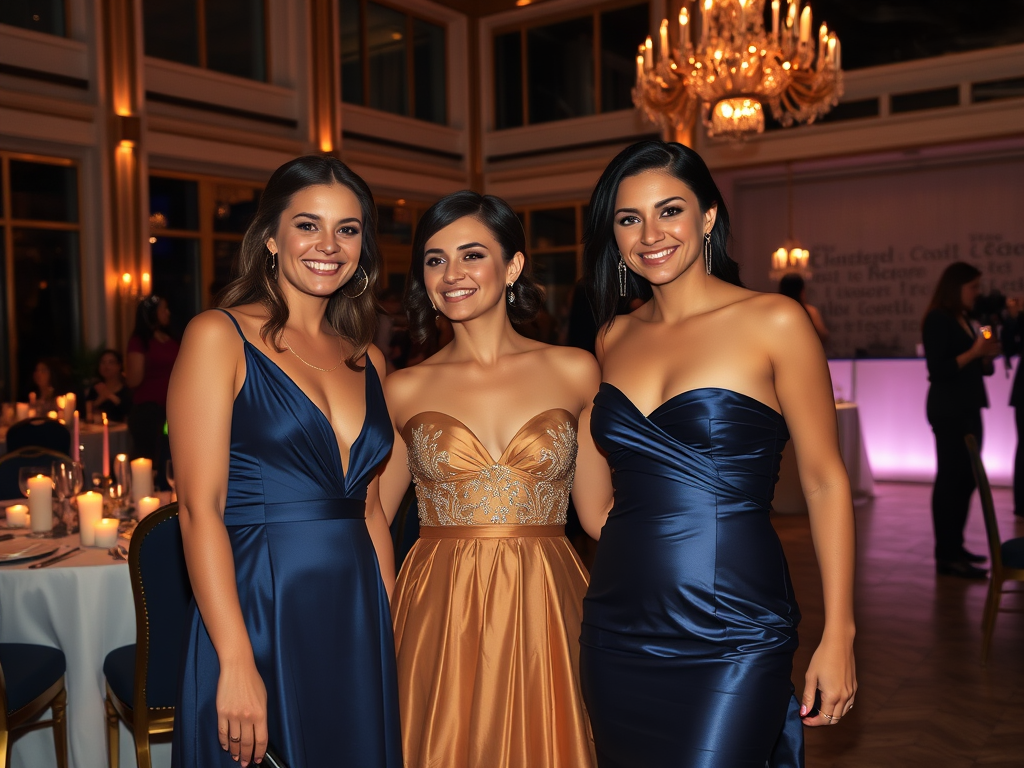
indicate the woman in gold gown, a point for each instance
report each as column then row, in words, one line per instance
column 493, row 428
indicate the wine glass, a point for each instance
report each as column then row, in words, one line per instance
column 27, row 473
column 68, row 476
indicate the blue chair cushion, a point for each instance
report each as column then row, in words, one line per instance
column 119, row 669
column 1013, row 553
column 29, row 670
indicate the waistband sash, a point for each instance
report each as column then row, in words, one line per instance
column 295, row 511
column 488, row 531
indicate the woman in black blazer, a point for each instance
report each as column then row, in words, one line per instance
column 958, row 358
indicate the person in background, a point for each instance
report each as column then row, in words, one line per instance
column 51, row 377
column 1013, row 344
column 958, row 358
column 110, row 395
column 793, row 286
column 151, row 355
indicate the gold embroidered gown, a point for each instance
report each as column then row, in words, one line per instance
column 488, row 603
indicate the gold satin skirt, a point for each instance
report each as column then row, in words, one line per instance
column 487, row 626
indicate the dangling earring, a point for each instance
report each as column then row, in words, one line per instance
column 511, row 294
column 707, row 252
column 622, row 276
column 366, row 282
column 272, row 266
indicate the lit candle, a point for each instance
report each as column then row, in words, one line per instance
column 75, row 438
column 684, row 20
column 61, row 401
column 791, row 11
column 106, row 447
column 40, row 503
column 90, row 511
column 145, row 283
column 70, row 404
column 663, row 34
column 780, row 258
column 21, row 411
column 147, row 505
column 639, row 69
column 142, row 478
column 839, row 54
column 51, row 415
column 805, row 25
column 648, row 56
column 105, row 532
column 775, row 18
column 743, row 15
column 705, row 20
column 17, row 516
column 832, row 51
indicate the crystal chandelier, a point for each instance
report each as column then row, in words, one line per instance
column 736, row 69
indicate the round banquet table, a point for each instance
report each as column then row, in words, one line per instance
column 91, row 440
column 84, row 606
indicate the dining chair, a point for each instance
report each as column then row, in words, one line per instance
column 32, row 681
column 11, row 462
column 39, row 432
column 1006, row 558
column 142, row 679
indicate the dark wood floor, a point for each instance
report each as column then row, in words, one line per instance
column 924, row 698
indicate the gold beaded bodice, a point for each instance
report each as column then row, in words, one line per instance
column 459, row 483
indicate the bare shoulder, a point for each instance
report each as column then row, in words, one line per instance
column 572, row 362
column 377, row 360
column 211, row 329
column 772, row 310
column 401, row 387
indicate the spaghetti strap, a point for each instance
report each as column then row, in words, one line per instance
column 237, row 326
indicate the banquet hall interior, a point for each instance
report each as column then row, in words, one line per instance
column 136, row 137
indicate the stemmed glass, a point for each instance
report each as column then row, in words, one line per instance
column 68, row 477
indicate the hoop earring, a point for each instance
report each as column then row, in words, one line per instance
column 511, row 293
column 622, row 276
column 366, row 282
column 707, row 252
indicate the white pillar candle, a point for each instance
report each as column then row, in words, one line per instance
column 147, row 505
column 90, row 510
column 40, row 503
column 142, row 478
column 21, row 411
column 17, row 516
column 105, row 532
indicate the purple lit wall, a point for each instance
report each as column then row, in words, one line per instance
column 890, row 395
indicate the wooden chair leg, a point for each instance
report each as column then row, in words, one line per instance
column 60, row 727
column 5, row 748
column 142, row 748
column 988, row 621
column 113, row 735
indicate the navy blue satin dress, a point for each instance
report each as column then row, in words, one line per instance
column 309, row 584
column 689, row 625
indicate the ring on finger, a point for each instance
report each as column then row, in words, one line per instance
column 234, row 740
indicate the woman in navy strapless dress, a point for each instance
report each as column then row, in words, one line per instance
column 689, row 624
column 277, row 424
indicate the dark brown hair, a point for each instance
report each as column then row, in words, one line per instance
column 354, row 319
column 947, row 293
column 503, row 224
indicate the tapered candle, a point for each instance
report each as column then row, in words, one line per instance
column 663, row 35
column 705, row 22
column 639, row 69
column 648, row 55
column 75, row 438
column 90, row 510
column 684, row 21
column 106, row 447
column 775, row 18
column 70, row 404
column 805, row 25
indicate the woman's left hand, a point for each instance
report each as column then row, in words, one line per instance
column 832, row 671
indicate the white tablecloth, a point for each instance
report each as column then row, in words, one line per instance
column 83, row 606
column 91, row 440
column 789, row 497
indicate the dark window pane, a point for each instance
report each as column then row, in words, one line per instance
column 224, row 253
column 176, row 277
column 394, row 224
column 235, row 42
column 46, row 297
column 552, row 228
column 993, row 90
column 351, row 52
column 913, row 102
column 557, row 273
column 170, row 29
column 508, row 80
column 6, row 392
column 389, row 75
column 560, row 70
column 234, row 208
column 622, row 30
column 173, row 204
column 38, row 15
column 428, row 59
column 43, row 192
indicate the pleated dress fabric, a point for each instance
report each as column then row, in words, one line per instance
column 690, row 623
column 488, row 602
column 308, row 581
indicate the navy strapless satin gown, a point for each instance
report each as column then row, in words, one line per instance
column 309, row 584
column 689, row 625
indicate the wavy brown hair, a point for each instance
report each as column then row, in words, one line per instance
column 354, row 319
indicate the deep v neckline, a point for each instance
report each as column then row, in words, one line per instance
column 323, row 416
column 501, row 460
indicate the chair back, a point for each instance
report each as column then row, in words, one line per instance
column 11, row 462
column 39, row 432
column 156, row 561
column 988, row 506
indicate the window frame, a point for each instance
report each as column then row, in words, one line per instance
column 8, row 224
column 410, row 60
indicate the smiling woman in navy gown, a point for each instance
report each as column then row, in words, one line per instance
column 689, row 624
column 277, row 424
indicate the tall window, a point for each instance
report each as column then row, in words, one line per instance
column 38, row 15
column 39, row 251
column 224, row 35
column 392, row 61
column 196, row 226
column 571, row 68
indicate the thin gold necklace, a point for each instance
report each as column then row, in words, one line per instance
column 314, row 367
